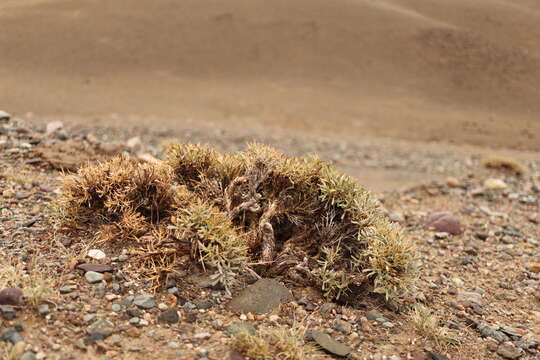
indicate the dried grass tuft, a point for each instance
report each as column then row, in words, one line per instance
column 276, row 343
column 257, row 210
column 506, row 164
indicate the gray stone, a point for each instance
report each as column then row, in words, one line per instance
column 145, row 301
column 260, row 298
column 373, row 315
column 509, row 351
column 173, row 345
column 66, row 289
column 28, row 356
column 490, row 331
column 342, row 326
column 8, row 312
column 93, row 277
column 169, row 316
column 134, row 321
column 238, row 327
column 11, row 336
column 329, row 344
column 101, row 328
column 100, row 268
column 43, row 309
column 116, row 308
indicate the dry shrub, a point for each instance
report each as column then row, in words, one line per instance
column 256, row 210
column 506, row 164
column 122, row 196
column 276, row 343
column 36, row 284
column 428, row 326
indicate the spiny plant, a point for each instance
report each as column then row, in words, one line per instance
column 277, row 343
column 257, row 210
column 427, row 325
column 124, row 196
column 505, row 163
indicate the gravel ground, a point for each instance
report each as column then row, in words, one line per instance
column 479, row 281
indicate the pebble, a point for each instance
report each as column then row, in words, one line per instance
column 342, row 326
column 93, row 277
column 494, row 184
column 43, row 309
column 100, row 268
column 169, row 316
column 145, row 301
column 28, row 356
column 11, row 296
column 453, row 182
column 444, row 222
column 96, row 254
column 102, row 328
column 11, row 336
column 329, row 344
column 509, row 351
column 134, row 321
column 173, row 345
column 8, row 312
column 162, row 306
column 116, row 308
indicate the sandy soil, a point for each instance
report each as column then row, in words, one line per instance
column 458, row 72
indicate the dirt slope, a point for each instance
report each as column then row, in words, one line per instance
column 461, row 71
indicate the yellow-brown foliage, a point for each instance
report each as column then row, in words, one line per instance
column 256, row 210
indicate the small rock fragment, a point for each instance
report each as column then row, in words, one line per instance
column 494, row 184
column 145, row 301
column 509, row 351
column 169, row 316
column 329, row 344
column 101, row 328
column 100, row 268
column 444, row 222
column 260, row 298
column 96, row 254
column 93, row 277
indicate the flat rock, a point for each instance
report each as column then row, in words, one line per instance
column 100, row 268
column 11, row 296
column 260, row 298
column 444, row 222
column 93, row 277
column 509, row 351
column 329, row 344
column 11, row 336
column 169, row 316
column 101, row 328
column 145, row 301
column 7, row 312
column 96, row 254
